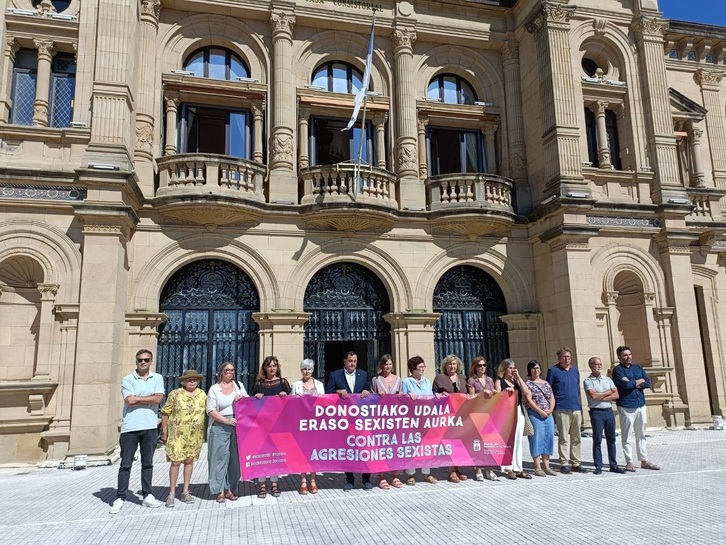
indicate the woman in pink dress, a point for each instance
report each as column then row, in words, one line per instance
column 387, row 383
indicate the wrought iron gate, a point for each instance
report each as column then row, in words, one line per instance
column 471, row 303
column 209, row 304
column 347, row 302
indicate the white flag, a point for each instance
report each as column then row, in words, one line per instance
column 361, row 94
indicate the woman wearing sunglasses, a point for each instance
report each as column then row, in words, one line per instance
column 479, row 383
column 451, row 381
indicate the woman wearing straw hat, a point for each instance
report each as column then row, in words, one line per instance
column 182, row 429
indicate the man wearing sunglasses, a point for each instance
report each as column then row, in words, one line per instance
column 142, row 392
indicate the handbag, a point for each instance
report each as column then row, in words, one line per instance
column 528, row 430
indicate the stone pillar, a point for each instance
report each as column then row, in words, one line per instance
column 526, row 339
column 509, row 56
column 379, row 123
column 143, row 332
column 258, row 110
column 626, row 156
column 603, row 151
column 11, row 48
column 423, row 171
column 303, row 158
column 550, row 26
column 44, row 340
column 281, row 334
column 490, row 130
column 46, row 50
column 412, row 190
column 662, row 149
column 144, row 145
column 710, row 81
column 172, row 105
column 413, row 335
column 694, row 140
column 283, row 179
column 611, row 300
column 675, row 260
column 100, row 355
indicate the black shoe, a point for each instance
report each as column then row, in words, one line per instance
column 579, row 469
column 598, row 471
column 617, row 469
column 367, row 486
column 565, row 469
column 348, row 487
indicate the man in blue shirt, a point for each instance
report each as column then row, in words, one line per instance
column 631, row 381
column 565, row 382
column 142, row 392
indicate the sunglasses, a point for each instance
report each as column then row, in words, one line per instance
column 481, row 365
column 140, row 360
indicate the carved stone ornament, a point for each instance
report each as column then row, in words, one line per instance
column 708, row 77
column 695, row 134
column 282, row 148
column 48, row 291
column 40, row 109
column 517, row 166
column 407, row 159
column 510, row 51
column 282, row 22
column 144, row 136
column 45, row 49
column 151, row 7
column 549, row 13
column 12, row 45
column 340, row 220
column 610, row 297
column 650, row 27
column 403, row 37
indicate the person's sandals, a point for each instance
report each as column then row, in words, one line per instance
column 453, row 477
column 511, row 475
column 629, row 467
column 479, row 475
column 540, row 473
column 383, row 483
column 524, row 475
column 396, row 483
column 221, row 498
column 313, row 487
column 411, row 481
column 186, row 497
column 303, row 490
column 489, row 475
column 649, row 465
column 431, row 479
column 230, row 496
column 261, row 492
column 549, row 472
column 461, row 476
column 170, row 500
column 274, row 490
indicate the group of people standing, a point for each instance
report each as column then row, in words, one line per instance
column 543, row 405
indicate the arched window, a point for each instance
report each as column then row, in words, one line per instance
column 58, row 5
column 338, row 77
column 216, row 63
column 451, row 89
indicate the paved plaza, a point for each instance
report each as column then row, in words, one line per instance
column 685, row 502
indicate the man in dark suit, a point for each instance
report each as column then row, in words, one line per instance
column 350, row 380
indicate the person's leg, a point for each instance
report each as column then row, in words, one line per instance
column 148, row 440
column 218, row 457
column 517, row 450
column 575, row 437
column 366, row 477
column 597, row 419
column 128, row 442
column 609, row 425
column 188, row 468
column 639, row 425
column 563, row 436
column 349, row 478
column 233, row 469
column 174, row 477
column 626, row 426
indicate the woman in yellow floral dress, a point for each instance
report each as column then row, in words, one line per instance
column 182, row 429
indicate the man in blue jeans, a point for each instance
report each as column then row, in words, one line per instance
column 142, row 391
column 601, row 392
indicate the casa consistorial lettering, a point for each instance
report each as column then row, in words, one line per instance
column 353, row 4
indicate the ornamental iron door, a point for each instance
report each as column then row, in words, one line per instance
column 470, row 303
column 347, row 303
column 209, row 305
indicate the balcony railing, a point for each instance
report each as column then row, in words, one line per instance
column 469, row 190
column 189, row 171
column 335, row 183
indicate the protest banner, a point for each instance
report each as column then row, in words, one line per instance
column 297, row 434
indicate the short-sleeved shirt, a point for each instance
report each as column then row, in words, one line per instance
column 410, row 386
column 541, row 394
column 565, row 387
column 599, row 384
column 141, row 417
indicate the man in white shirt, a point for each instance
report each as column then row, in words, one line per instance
column 142, row 391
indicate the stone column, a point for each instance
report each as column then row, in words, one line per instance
column 423, row 122
column 560, row 132
column 662, row 149
column 413, row 335
column 694, row 140
column 490, row 130
column 611, row 299
column 412, row 191
column 710, row 81
column 626, row 156
column 46, row 50
column 258, row 111
column 44, row 340
column 603, row 151
column 11, row 48
column 144, row 145
column 526, row 339
column 379, row 123
column 282, row 334
column 172, row 105
column 283, row 179
column 509, row 56
column 303, row 137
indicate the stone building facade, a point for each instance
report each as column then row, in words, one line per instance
column 525, row 174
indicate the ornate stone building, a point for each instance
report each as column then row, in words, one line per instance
column 173, row 175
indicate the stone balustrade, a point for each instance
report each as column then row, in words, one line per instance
column 335, row 183
column 469, row 190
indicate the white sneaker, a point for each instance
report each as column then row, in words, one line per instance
column 151, row 501
column 116, row 506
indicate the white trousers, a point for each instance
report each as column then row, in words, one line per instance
column 633, row 420
column 517, row 448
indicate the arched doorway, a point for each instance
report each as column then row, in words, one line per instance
column 210, row 305
column 347, row 303
column 470, row 302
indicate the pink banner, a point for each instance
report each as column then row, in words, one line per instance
column 297, row 434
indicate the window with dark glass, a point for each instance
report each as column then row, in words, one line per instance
column 452, row 151
column 589, row 66
column 62, row 90
column 331, row 145
column 613, row 144
column 338, row 77
column 591, row 132
column 216, row 63
column 22, row 95
column 204, row 129
column 451, row 89
column 59, row 5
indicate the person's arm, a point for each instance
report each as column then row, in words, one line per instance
column 286, row 388
column 645, row 381
column 621, row 381
column 212, row 410
column 551, row 408
column 330, row 385
column 532, row 405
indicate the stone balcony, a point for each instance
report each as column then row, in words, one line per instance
column 707, row 204
column 209, row 189
column 471, row 204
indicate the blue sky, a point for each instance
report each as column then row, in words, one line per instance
column 712, row 12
